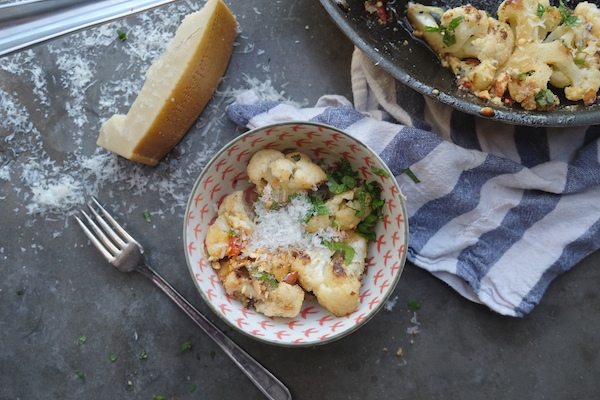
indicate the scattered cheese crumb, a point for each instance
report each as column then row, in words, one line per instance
column 389, row 305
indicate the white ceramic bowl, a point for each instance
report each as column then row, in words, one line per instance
column 226, row 173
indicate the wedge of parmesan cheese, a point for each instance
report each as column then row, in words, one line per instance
column 177, row 87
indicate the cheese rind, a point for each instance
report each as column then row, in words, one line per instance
column 177, row 88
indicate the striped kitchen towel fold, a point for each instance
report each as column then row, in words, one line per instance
column 499, row 211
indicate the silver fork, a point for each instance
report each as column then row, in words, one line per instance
column 126, row 254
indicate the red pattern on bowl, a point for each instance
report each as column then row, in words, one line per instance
column 226, row 172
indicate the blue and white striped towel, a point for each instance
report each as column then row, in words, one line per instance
column 500, row 210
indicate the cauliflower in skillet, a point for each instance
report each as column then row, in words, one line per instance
column 537, row 47
column 469, row 42
column 277, row 175
column 553, row 47
column 531, row 20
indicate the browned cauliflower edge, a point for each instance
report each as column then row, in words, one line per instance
column 531, row 48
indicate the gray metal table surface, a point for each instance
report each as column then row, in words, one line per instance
column 55, row 289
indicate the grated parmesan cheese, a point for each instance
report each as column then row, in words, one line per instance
column 282, row 228
column 48, row 161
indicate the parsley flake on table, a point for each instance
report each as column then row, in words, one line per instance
column 158, row 397
column 112, row 357
column 146, row 215
column 185, row 346
column 410, row 174
column 144, row 355
column 414, row 306
column 20, row 292
column 80, row 375
column 192, row 388
column 122, row 35
column 82, row 339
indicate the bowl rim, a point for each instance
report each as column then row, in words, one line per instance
column 312, row 343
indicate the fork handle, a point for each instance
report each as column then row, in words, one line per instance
column 268, row 384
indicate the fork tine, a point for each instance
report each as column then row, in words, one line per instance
column 114, row 223
column 109, row 257
column 100, row 233
column 107, row 230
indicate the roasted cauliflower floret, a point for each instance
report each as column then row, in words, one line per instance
column 527, row 80
column 531, row 20
column 285, row 300
column 225, row 236
column 469, row 42
column 276, row 175
column 335, row 284
column 567, row 59
column 531, row 45
column 345, row 212
column 265, row 283
column 572, row 51
column 591, row 14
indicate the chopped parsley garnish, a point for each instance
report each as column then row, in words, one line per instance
column 569, row 19
column 369, row 195
column 540, row 10
column 414, row 306
column 341, row 178
column 80, row 375
column 269, row 278
column 343, row 247
column 524, row 75
column 146, row 215
column 579, row 58
column 448, row 35
column 185, row 346
column 318, row 208
column 544, row 98
column 122, row 35
column 296, row 157
column 144, row 355
column 410, row 174
column 82, row 339
column 264, row 277
column 112, row 357
column 379, row 171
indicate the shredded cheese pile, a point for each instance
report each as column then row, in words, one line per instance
column 48, row 155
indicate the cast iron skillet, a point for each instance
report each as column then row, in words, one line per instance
column 410, row 61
